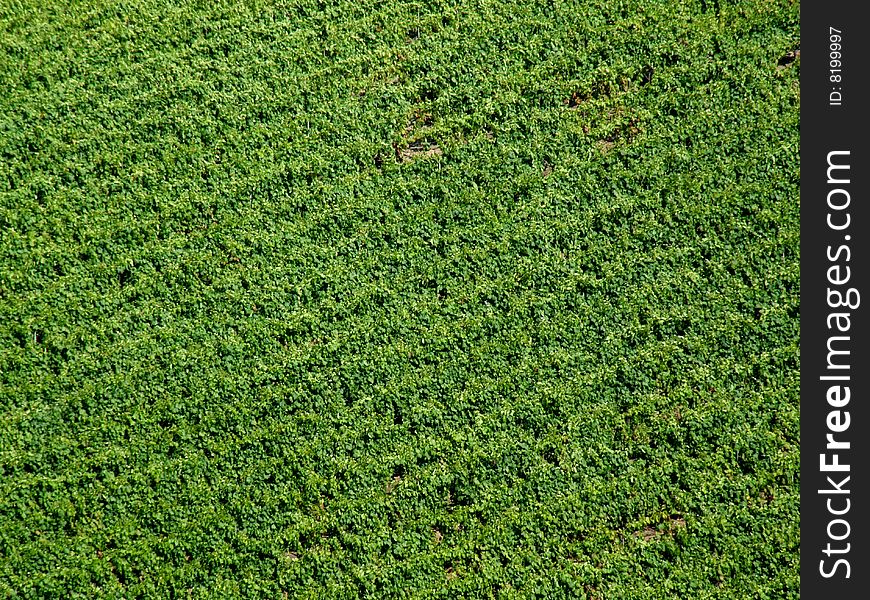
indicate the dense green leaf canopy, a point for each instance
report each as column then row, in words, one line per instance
column 489, row 299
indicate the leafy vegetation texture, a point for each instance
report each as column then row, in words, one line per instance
column 379, row 299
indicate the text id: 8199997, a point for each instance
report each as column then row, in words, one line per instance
column 835, row 70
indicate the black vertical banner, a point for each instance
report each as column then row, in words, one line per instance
column 835, row 299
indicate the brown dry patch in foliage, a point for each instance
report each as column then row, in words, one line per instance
column 605, row 145
column 789, row 58
column 414, row 133
column 650, row 533
column 417, row 150
column 393, row 483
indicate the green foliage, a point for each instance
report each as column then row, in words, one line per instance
column 399, row 299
